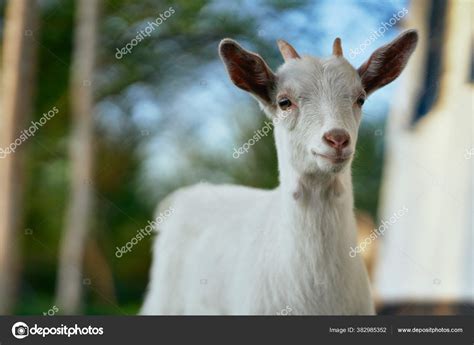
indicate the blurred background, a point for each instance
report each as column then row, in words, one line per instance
column 107, row 106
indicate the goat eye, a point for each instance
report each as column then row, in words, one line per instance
column 360, row 101
column 284, row 103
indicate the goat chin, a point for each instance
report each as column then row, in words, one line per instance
column 231, row 250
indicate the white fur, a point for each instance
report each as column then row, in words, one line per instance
column 238, row 250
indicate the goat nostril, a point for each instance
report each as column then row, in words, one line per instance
column 337, row 138
column 344, row 141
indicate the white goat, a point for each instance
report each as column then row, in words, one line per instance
column 238, row 250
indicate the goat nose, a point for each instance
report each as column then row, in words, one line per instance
column 337, row 138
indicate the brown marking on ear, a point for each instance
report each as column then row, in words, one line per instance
column 337, row 47
column 387, row 62
column 287, row 51
column 247, row 70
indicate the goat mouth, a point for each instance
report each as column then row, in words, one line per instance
column 335, row 159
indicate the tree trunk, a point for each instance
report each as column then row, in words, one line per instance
column 79, row 213
column 19, row 55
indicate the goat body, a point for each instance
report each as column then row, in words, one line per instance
column 238, row 250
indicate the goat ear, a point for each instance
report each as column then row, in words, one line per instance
column 387, row 62
column 247, row 70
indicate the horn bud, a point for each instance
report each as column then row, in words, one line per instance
column 337, row 47
column 287, row 51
